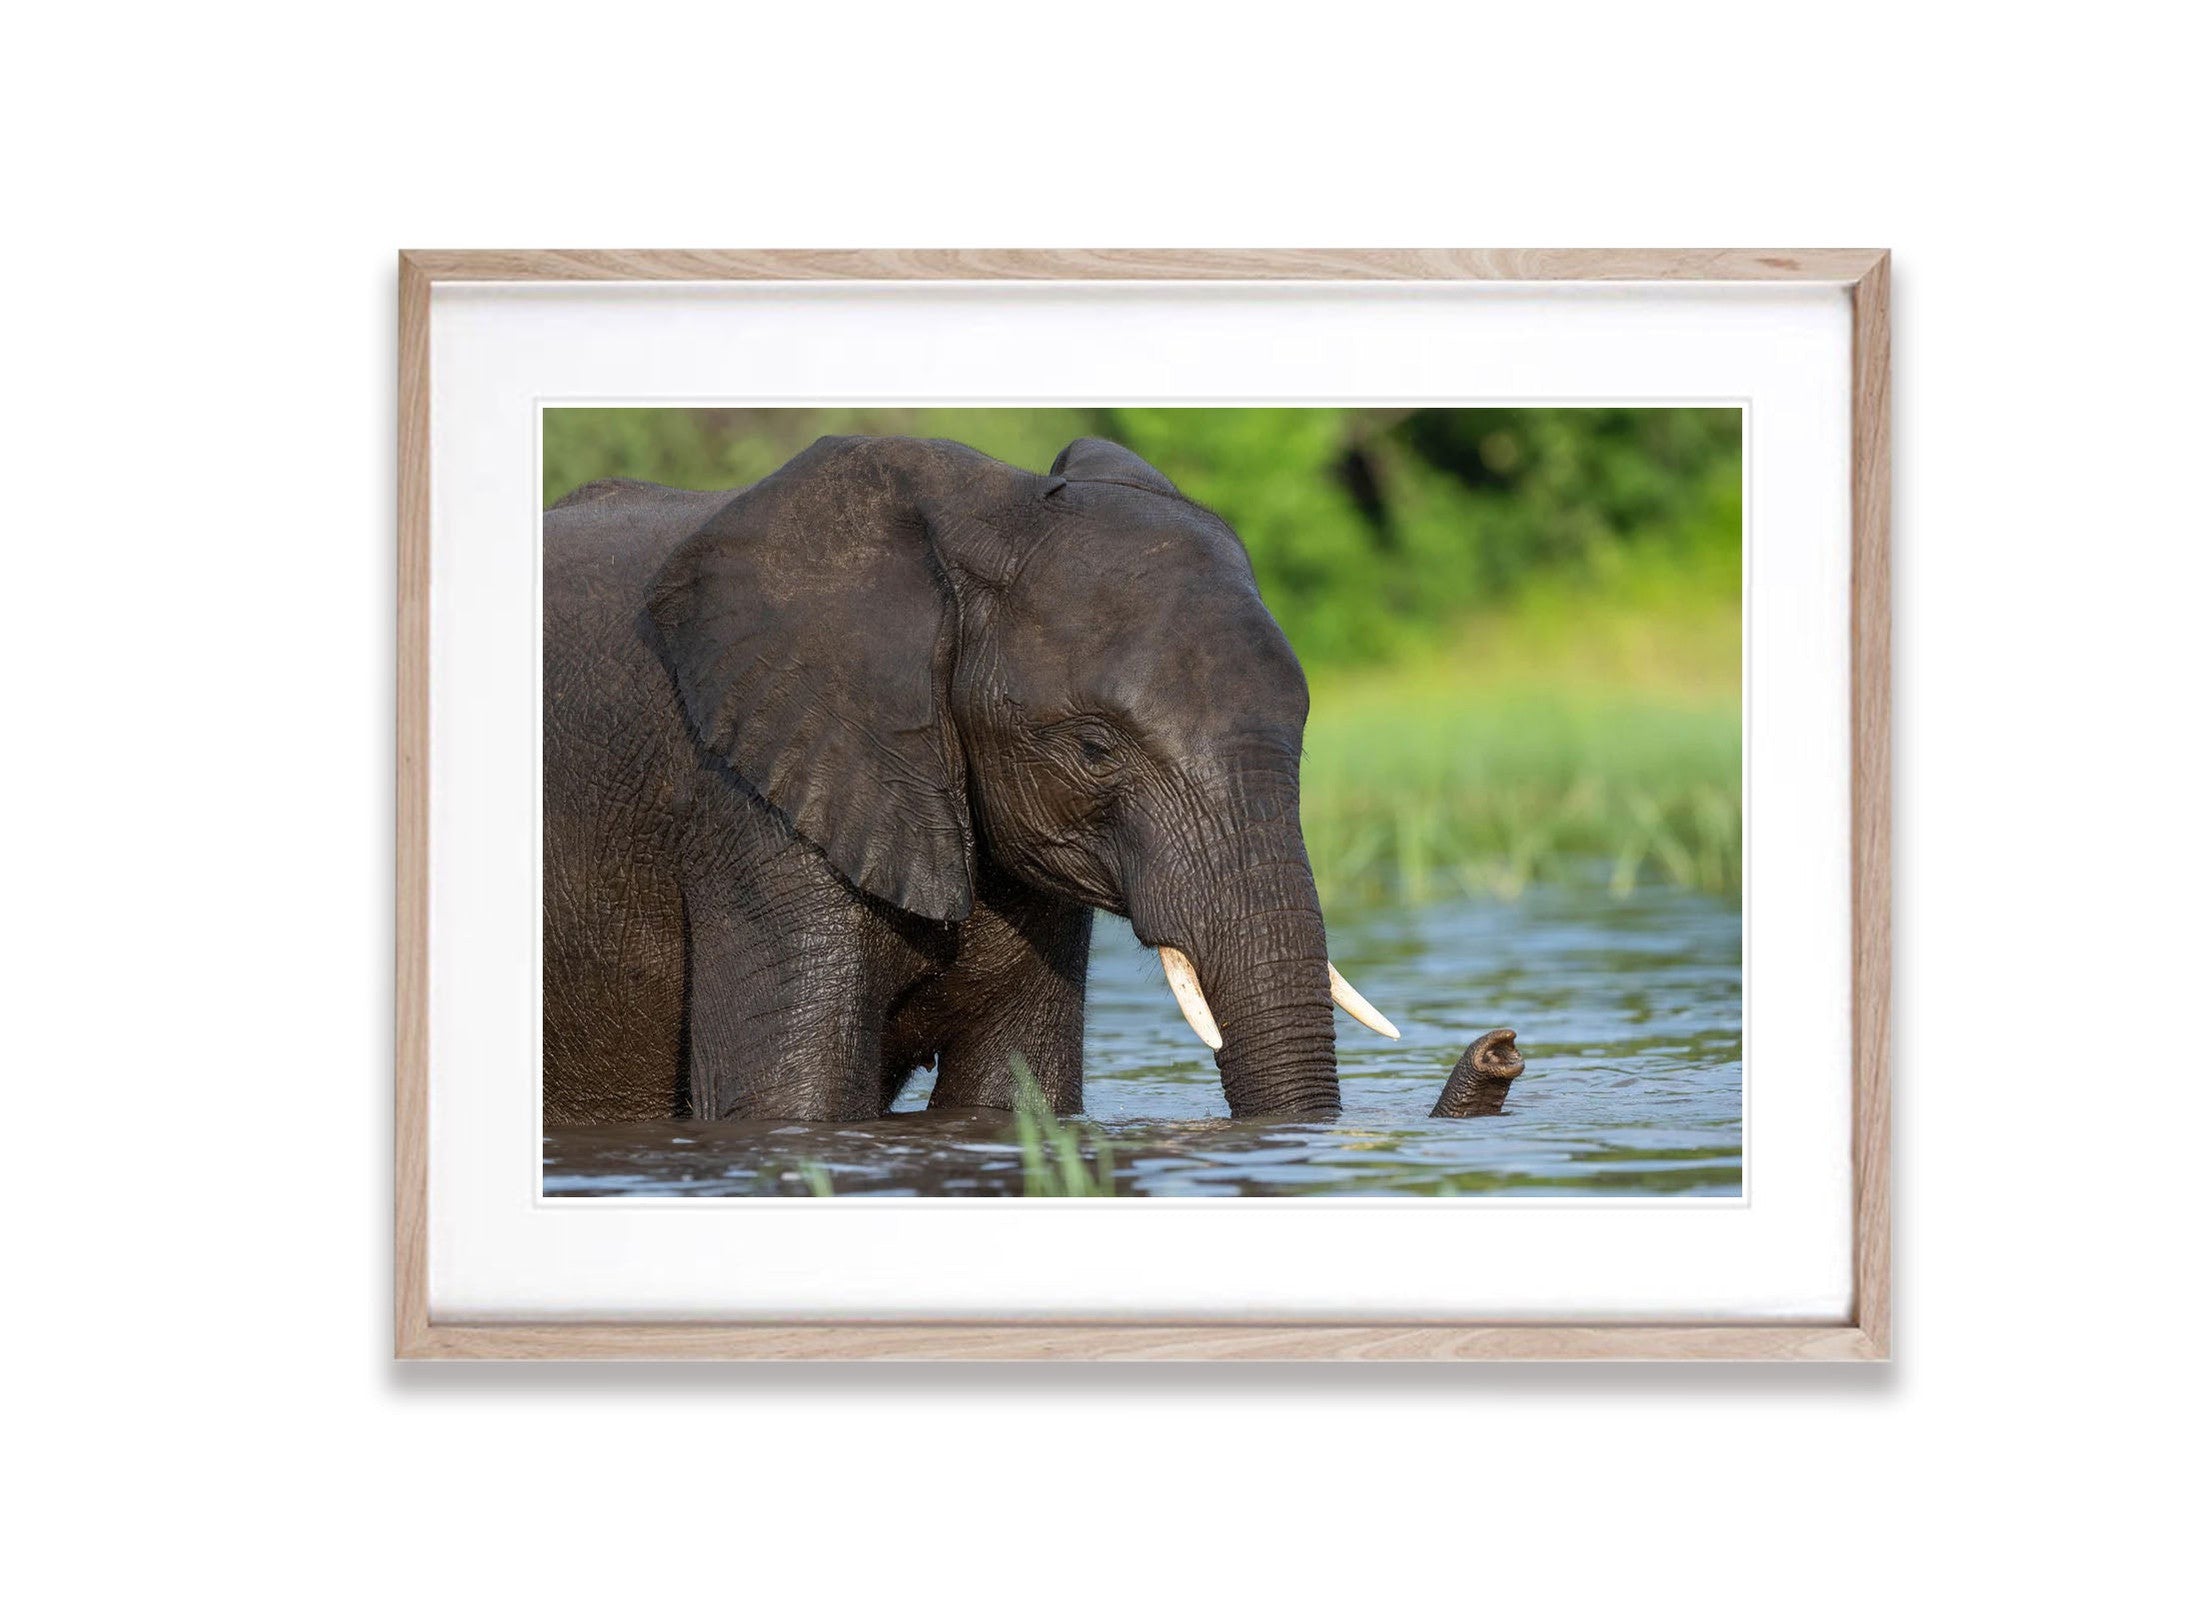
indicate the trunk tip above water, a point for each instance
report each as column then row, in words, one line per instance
column 1495, row 1054
column 1483, row 1076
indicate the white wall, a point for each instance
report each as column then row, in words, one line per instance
column 206, row 203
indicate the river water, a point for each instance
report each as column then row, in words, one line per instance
column 1628, row 1012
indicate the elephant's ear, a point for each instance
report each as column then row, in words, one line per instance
column 810, row 631
column 1091, row 460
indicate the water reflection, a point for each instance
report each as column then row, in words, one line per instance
column 1629, row 1013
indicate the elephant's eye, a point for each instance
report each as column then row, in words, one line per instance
column 1096, row 746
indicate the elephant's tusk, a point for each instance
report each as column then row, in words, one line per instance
column 1185, row 981
column 1355, row 1004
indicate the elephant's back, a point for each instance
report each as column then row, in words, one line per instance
column 602, row 547
column 606, row 539
column 606, row 694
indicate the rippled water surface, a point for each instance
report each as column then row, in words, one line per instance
column 1628, row 1012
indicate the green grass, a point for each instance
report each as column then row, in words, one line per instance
column 1054, row 1166
column 1576, row 738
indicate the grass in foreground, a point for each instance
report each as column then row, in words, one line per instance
column 1054, row 1166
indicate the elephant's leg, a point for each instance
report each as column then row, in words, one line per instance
column 787, row 993
column 1016, row 989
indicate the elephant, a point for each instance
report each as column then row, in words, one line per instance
column 838, row 766
column 1483, row 1076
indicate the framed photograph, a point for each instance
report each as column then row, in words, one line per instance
column 1139, row 804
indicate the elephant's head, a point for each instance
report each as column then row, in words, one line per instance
column 926, row 658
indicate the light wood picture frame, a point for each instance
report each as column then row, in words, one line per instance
column 1863, row 1335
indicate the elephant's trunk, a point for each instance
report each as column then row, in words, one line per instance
column 1483, row 1076
column 1269, row 989
column 1241, row 911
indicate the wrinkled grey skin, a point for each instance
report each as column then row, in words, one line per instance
column 1483, row 1076
column 838, row 765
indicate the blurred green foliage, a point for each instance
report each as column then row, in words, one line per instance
column 1522, row 627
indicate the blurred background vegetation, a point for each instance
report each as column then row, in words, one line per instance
column 1522, row 627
